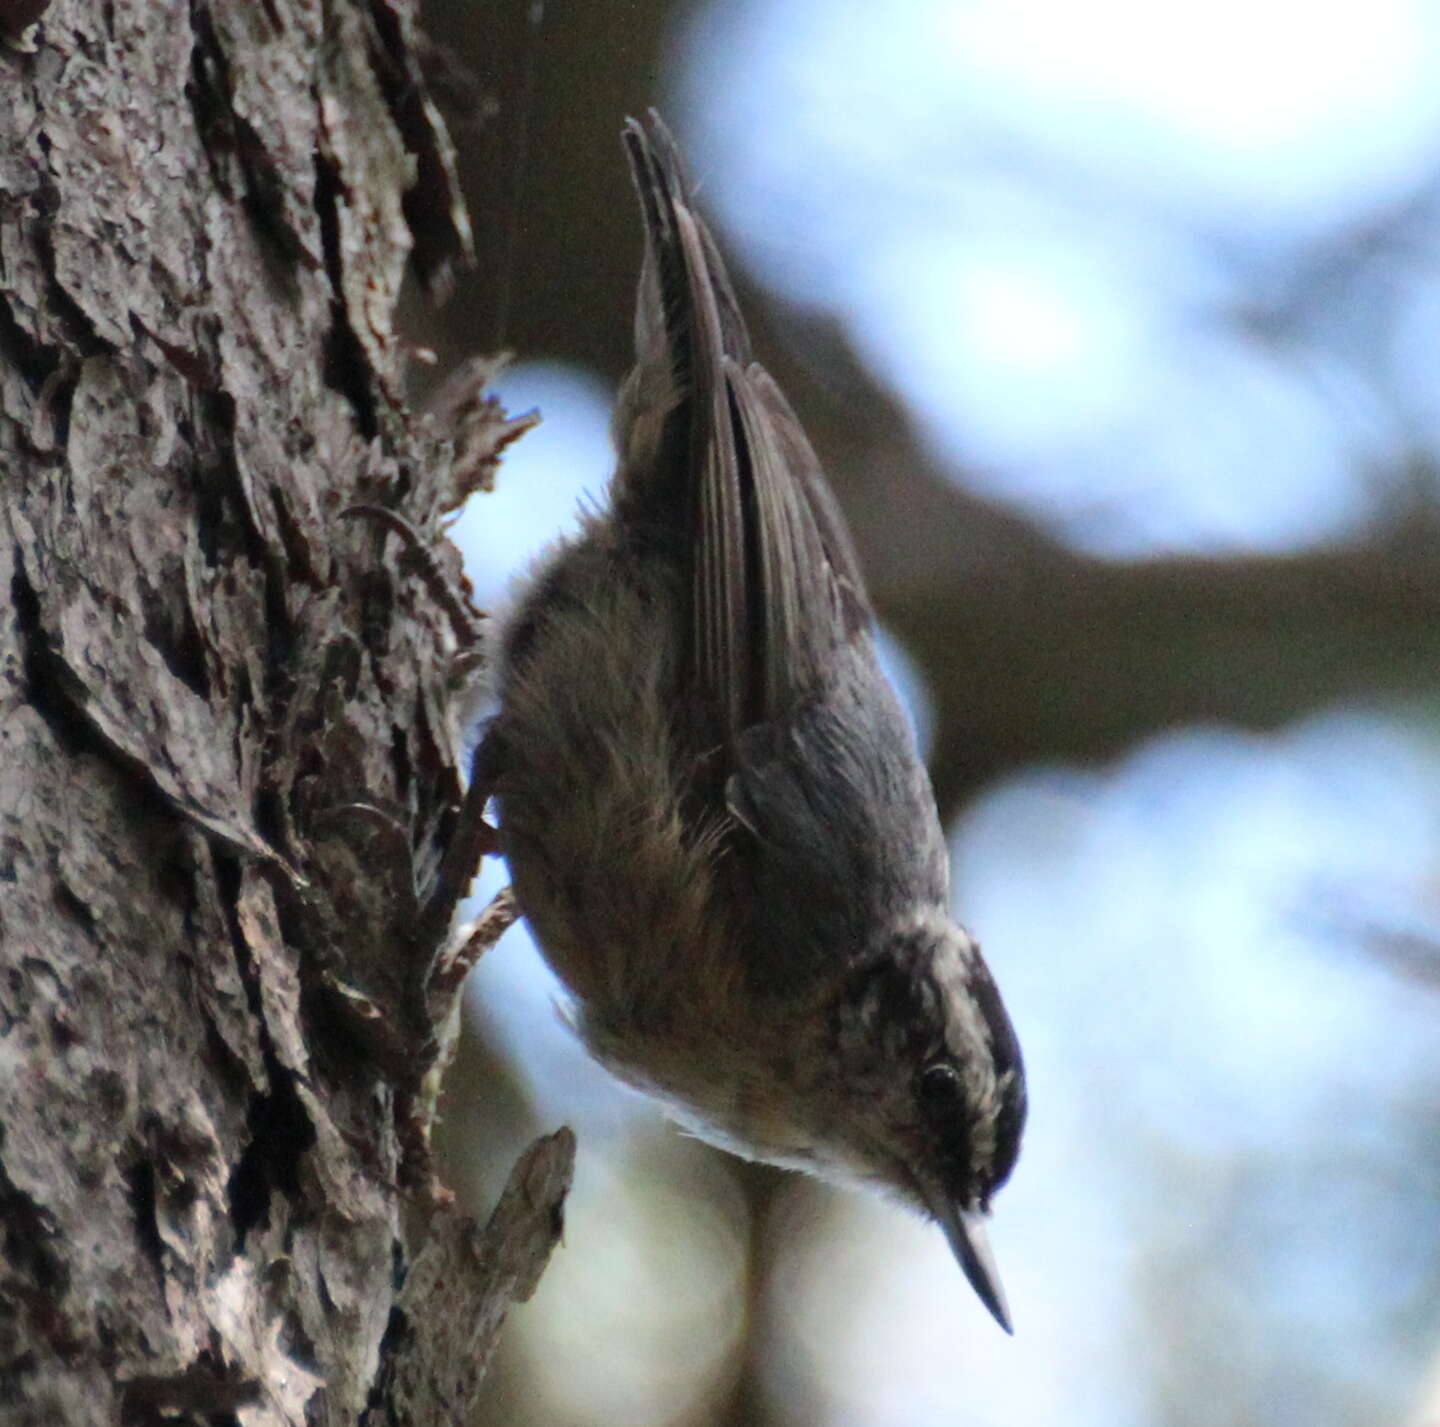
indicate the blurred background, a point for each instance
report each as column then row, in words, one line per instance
column 1118, row 329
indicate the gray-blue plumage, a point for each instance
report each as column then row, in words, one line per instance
column 823, row 790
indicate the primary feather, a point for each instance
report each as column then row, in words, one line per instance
column 775, row 584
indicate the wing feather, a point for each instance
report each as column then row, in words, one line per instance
column 774, row 581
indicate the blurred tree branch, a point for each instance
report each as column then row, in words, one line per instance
column 1032, row 651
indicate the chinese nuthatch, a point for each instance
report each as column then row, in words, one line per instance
column 711, row 804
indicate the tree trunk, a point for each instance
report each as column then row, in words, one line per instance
column 228, row 753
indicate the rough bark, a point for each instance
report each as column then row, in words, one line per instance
column 228, row 752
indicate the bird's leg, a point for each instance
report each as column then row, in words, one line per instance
column 472, row 839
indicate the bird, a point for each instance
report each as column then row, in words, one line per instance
column 716, row 822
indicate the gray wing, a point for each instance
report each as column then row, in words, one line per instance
column 818, row 761
column 847, row 846
column 775, row 586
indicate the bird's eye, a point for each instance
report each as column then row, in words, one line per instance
column 940, row 1084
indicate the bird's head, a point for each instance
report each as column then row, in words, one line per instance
column 928, row 1069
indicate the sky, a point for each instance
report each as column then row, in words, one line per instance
column 1037, row 220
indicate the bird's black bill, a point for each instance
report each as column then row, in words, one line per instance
column 971, row 1246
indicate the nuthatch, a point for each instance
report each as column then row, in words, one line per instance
column 711, row 804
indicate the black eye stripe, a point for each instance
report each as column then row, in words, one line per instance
column 1003, row 1044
